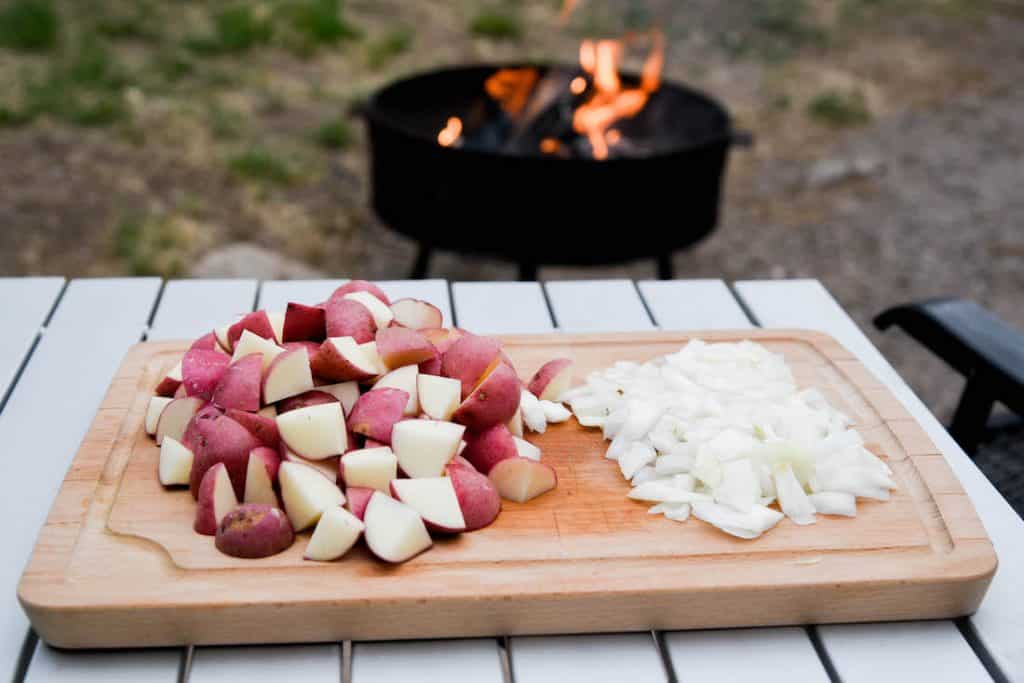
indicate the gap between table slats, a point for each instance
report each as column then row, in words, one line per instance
column 65, row 379
column 710, row 305
column 936, row 650
column 185, row 309
column 315, row 663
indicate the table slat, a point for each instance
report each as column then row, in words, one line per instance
column 320, row 662
column 275, row 295
column 191, row 308
column 765, row 655
column 932, row 651
column 692, row 305
column 610, row 658
column 576, row 305
column 26, row 303
column 597, row 306
column 187, row 309
column 709, row 305
column 267, row 664
column 473, row 660
column 68, row 374
column 1000, row 621
column 100, row 666
column 501, row 307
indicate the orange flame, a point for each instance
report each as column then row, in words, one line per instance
column 450, row 134
column 511, row 88
column 611, row 101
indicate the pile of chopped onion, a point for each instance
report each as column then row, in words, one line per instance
column 722, row 432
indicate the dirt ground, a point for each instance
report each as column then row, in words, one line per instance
column 889, row 158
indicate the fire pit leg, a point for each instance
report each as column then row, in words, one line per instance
column 527, row 271
column 665, row 269
column 422, row 265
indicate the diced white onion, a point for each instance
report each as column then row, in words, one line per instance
column 724, row 429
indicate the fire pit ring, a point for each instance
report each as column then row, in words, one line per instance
column 535, row 208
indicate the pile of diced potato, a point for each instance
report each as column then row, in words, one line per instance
column 356, row 417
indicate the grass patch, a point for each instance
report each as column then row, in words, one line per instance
column 839, row 109
column 171, row 66
column 127, row 21
column 236, row 29
column 334, row 134
column 382, row 50
column 225, row 124
column 261, row 165
column 29, row 26
column 85, row 90
column 309, row 24
column 497, row 24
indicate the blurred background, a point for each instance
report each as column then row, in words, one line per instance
column 216, row 139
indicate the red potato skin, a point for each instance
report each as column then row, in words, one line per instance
column 487, row 448
column 547, row 372
column 239, row 387
column 222, row 440
column 356, row 500
column 303, row 323
column 201, row 370
column 305, row 400
column 478, row 499
column 167, row 388
column 263, row 428
column 207, row 412
column 431, row 366
column 373, row 443
column 206, row 520
column 376, row 412
column 459, row 460
column 469, row 359
column 256, row 322
column 310, row 346
column 399, row 346
column 347, row 318
column 444, row 337
column 328, row 364
column 254, row 530
column 360, row 286
column 208, row 342
column 494, row 401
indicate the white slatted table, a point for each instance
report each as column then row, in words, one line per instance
column 62, row 344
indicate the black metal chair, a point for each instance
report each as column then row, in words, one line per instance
column 986, row 350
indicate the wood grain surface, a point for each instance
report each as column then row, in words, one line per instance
column 117, row 563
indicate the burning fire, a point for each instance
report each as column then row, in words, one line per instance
column 608, row 100
column 451, row 133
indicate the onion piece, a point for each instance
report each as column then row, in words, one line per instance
column 554, row 412
column 532, row 412
column 792, row 499
column 659, row 491
column 743, row 525
column 834, row 503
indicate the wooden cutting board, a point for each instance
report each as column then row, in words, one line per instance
column 117, row 563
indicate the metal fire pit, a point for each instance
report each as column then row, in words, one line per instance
column 538, row 209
